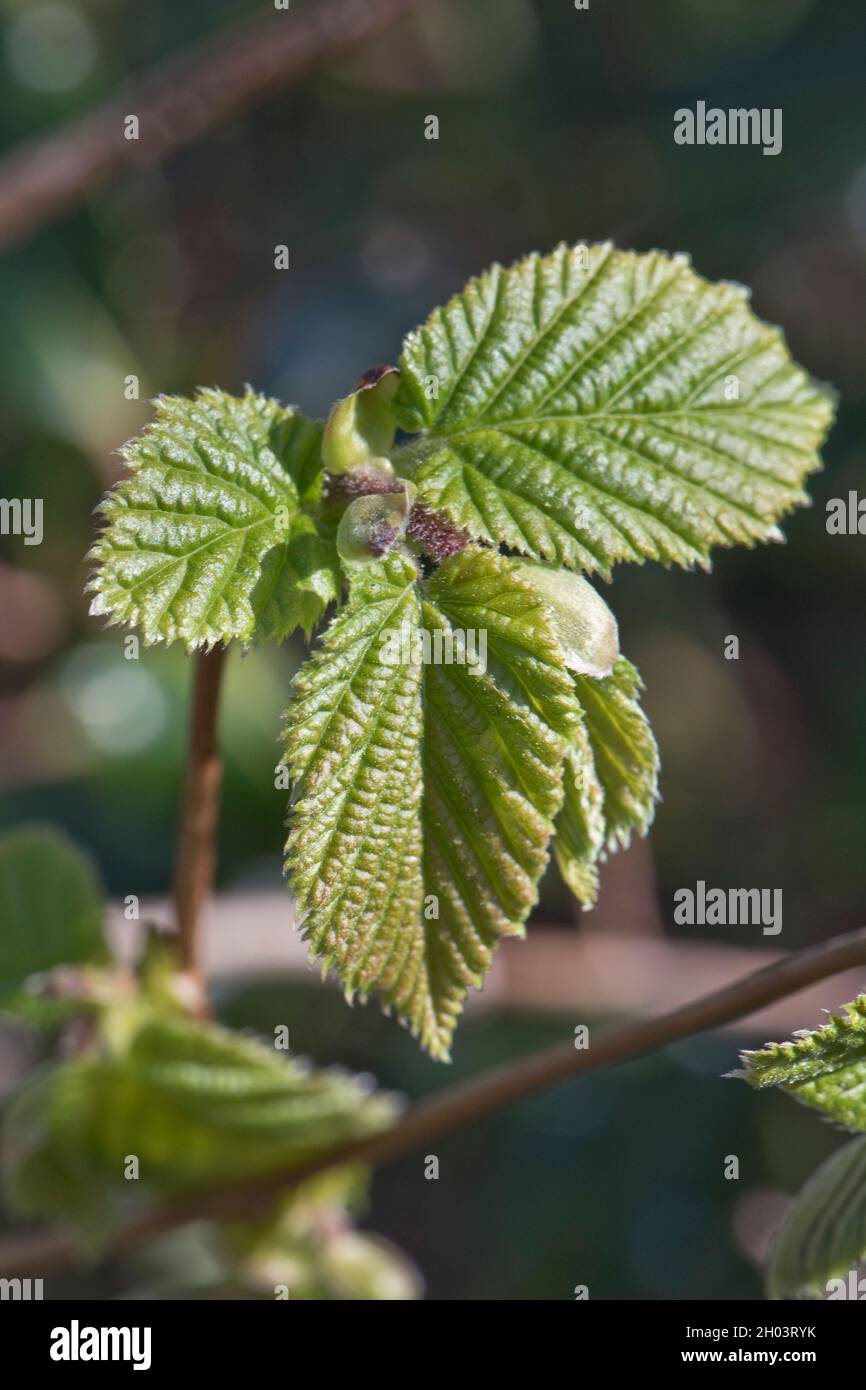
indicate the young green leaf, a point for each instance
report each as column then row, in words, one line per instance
column 51, row 907
column 824, row 1068
column 611, row 778
column 579, row 838
column 425, row 743
column 195, row 1104
column 624, row 752
column 210, row 537
column 596, row 405
column 359, row 432
column 823, row 1235
column 353, row 742
column 494, row 745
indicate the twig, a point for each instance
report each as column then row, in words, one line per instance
column 39, row 1253
column 178, row 103
column 196, row 850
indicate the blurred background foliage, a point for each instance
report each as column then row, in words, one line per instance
column 554, row 124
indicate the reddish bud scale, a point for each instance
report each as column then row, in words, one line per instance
column 361, row 482
column 432, row 531
column 373, row 376
column 437, row 536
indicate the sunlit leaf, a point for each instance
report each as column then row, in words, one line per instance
column 207, row 538
column 426, row 787
column 823, row 1067
column 597, row 405
column 624, row 751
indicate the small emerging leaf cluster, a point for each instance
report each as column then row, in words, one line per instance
column 823, row 1067
column 578, row 409
column 189, row 1104
column 823, row 1235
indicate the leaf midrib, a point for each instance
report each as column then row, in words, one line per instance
column 230, row 533
column 429, row 442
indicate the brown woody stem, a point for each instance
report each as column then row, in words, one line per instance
column 179, row 103
column 464, row 1104
column 196, row 851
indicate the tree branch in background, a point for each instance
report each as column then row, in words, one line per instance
column 196, row 852
column 178, row 103
column 38, row 1253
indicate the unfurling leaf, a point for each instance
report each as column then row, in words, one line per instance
column 211, row 536
column 360, row 429
column 51, row 907
column 611, row 778
column 823, row 1235
column 596, row 405
column 579, row 832
column 194, row 1104
column 624, row 751
column 824, row 1067
column 425, row 741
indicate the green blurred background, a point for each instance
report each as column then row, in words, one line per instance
column 555, row 124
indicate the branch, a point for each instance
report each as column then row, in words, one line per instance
column 196, row 851
column 40, row 1252
column 177, row 104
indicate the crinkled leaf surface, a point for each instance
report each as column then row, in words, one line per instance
column 425, row 789
column 208, row 538
column 823, row 1235
column 824, row 1067
column 580, row 826
column 597, row 405
column 51, row 907
column 195, row 1103
column 611, row 777
column 624, row 751
column 353, row 748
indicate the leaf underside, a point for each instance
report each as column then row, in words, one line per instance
column 209, row 538
column 823, row 1235
column 596, row 405
column 824, row 1068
